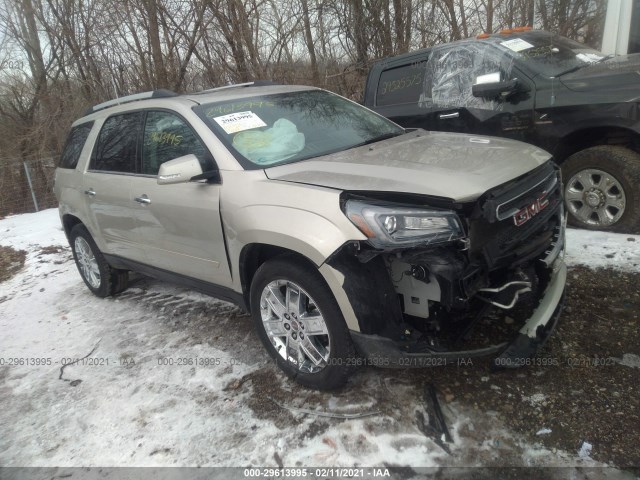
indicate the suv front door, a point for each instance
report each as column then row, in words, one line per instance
column 180, row 223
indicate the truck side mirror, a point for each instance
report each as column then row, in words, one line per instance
column 491, row 90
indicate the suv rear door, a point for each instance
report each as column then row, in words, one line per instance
column 106, row 186
column 180, row 224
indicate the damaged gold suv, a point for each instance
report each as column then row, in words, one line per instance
column 349, row 239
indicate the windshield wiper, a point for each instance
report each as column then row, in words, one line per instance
column 607, row 57
column 578, row 67
column 379, row 138
column 574, row 69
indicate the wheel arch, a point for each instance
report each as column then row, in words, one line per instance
column 593, row 136
column 253, row 255
column 68, row 222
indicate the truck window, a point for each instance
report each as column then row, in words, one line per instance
column 402, row 84
column 452, row 71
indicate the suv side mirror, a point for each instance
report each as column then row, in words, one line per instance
column 495, row 89
column 179, row 170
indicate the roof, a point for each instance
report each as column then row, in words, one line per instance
column 220, row 94
column 492, row 38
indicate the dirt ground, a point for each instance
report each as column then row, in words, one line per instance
column 11, row 261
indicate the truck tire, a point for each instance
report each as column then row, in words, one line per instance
column 102, row 279
column 300, row 324
column 599, row 189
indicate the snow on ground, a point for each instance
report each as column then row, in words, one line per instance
column 601, row 249
column 173, row 377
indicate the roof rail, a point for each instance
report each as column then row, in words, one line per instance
column 161, row 93
column 257, row 83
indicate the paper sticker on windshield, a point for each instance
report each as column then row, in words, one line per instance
column 239, row 121
column 516, row 44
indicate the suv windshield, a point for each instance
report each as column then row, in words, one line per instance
column 551, row 55
column 283, row 128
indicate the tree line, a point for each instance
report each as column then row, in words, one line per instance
column 58, row 57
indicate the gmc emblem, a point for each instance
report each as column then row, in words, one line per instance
column 527, row 213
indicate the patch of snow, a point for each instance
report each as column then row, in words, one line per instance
column 585, row 450
column 630, row 360
column 603, row 249
column 535, row 400
column 543, row 431
column 32, row 229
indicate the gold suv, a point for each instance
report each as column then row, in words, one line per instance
column 350, row 240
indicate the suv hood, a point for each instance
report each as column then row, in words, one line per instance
column 448, row 165
column 620, row 72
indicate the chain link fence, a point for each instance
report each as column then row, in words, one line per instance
column 26, row 185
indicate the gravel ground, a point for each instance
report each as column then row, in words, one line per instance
column 586, row 382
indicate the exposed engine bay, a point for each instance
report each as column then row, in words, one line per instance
column 472, row 294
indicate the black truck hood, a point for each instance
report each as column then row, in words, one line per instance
column 618, row 73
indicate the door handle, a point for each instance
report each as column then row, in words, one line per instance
column 143, row 199
column 445, row 116
column 91, row 192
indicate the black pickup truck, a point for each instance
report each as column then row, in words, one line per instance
column 541, row 88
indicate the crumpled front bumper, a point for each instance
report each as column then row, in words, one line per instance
column 383, row 351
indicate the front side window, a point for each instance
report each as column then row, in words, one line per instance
column 75, row 144
column 117, row 145
column 452, row 71
column 290, row 127
column 166, row 137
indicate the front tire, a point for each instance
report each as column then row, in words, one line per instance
column 599, row 192
column 98, row 275
column 300, row 324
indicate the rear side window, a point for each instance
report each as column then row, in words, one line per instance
column 401, row 84
column 166, row 137
column 75, row 144
column 117, row 146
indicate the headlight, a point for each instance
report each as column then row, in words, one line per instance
column 387, row 226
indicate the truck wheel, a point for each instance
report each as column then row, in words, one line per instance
column 98, row 275
column 598, row 189
column 301, row 325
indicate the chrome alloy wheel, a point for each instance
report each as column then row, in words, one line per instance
column 295, row 326
column 595, row 197
column 87, row 262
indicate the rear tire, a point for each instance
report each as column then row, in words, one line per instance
column 300, row 324
column 98, row 275
column 599, row 189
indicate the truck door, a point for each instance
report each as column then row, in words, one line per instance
column 447, row 95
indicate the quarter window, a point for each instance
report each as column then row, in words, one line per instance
column 75, row 144
column 117, row 145
column 166, row 137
